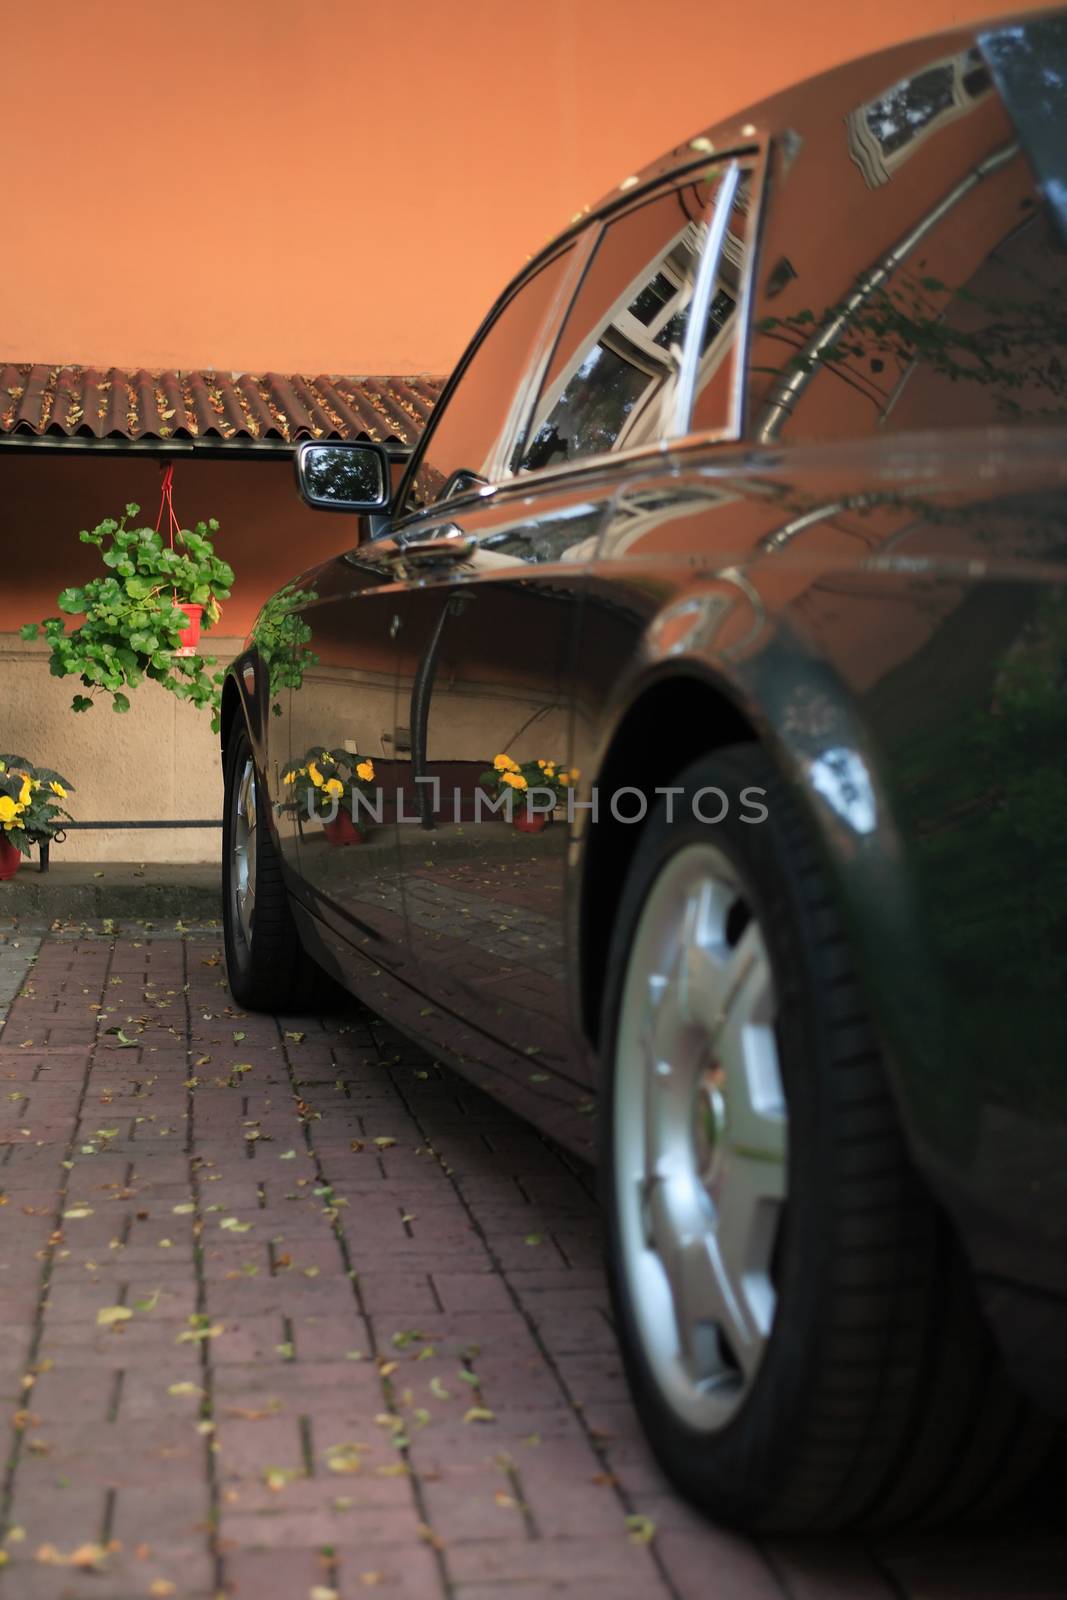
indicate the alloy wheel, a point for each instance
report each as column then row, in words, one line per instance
column 700, row 1131
column 243, row 853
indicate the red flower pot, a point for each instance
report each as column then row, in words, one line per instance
column 528, row 824
column 190, row 636
column 342, row 830
column 9, row 859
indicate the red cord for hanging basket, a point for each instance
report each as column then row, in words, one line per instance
column 190, row 636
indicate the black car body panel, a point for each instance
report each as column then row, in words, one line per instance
column 846, row 538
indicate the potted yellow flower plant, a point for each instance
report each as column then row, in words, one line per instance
column 520, row 778
column 31, row 809
column 323, row 785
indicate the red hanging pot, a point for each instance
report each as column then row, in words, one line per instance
column 528, row 824
column 10, row 859
column 342, row 830
column 190, row 636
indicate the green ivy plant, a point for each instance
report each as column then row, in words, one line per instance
column 282, row 636
column 132, row 618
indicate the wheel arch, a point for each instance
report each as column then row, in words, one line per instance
column 231, row 704
column 701, row 717
column 244, row 691
column 799, row 709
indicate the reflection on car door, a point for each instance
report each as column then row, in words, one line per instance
column 485, row 653
column 342, row 674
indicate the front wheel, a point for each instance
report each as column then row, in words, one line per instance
column 266, row 964
column 799, row 1330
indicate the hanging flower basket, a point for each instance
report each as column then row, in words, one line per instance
column 144, row 619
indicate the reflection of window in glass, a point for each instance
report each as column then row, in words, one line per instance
column 637, row 518
column 466, row 434
column 885, row 132
column 611, row 382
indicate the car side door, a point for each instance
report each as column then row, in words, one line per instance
column 489, row 641
column 336, row 690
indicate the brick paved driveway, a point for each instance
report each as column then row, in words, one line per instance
column 290, row 1312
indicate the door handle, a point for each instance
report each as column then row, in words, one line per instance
column 448, row 543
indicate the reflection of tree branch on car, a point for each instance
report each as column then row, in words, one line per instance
column 863, row 386
column 835, row 323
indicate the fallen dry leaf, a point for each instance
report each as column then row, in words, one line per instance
column 107, row 1316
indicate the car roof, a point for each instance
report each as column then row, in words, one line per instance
column 827, row 94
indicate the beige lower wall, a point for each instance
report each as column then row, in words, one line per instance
column 158, row 760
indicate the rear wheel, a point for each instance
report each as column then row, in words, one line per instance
column 266, row 964
column 800, row 1332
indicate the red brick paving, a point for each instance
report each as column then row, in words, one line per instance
column 368, row 1347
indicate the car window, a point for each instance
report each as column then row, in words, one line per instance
column 611, row 383
column 911, row 272
column 464, row 437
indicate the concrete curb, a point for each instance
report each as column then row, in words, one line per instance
column 117, row 889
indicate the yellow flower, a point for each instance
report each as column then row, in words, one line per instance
column 290, row 777
column 365, row 770
column 544, row 765
column 25, row 792
column 550, row 769
column 575, row 774
column 333, row 786
column 565, row 778
column 314, row 774
column 9, row 810
column 515, row 779
column 505, row 764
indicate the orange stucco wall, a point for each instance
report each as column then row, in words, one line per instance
column 313, row 185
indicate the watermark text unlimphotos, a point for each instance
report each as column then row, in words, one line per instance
column 626, row 805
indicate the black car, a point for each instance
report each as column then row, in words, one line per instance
column 677, row 746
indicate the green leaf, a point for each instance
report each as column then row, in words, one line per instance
column 119, row 702
column 29, row 630
column 81, row 702
column 72, row 601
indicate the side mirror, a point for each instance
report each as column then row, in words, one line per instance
column 343, row 476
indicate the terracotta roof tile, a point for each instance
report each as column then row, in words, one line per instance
column 82, row 402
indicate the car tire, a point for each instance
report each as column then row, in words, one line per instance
column 798, row 1326
column 267, row 966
